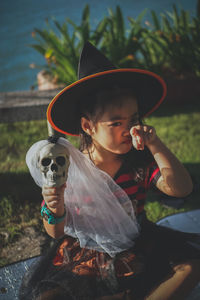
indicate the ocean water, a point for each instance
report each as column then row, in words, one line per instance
column 18, row 18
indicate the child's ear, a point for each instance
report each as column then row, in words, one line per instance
column 87, row 125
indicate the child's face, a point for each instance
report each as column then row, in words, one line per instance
column 112, row 131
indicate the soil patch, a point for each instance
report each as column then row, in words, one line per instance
column 31, row 243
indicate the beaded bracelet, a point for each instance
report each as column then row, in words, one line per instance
column 50, row 217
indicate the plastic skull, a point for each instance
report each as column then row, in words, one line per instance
column 54, row 163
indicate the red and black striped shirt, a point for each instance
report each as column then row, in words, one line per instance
column 136, row 182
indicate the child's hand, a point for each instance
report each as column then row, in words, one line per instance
column 142, row 135
column 54, row 198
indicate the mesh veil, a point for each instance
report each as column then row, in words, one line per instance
column 100, row 214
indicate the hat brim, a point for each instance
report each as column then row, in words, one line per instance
column 63, row 112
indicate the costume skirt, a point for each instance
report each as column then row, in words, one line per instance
column 70, row 272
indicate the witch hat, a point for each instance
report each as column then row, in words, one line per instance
column 96, row 72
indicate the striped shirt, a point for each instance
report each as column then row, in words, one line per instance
column 136, row 183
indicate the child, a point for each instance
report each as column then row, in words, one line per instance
column 105, row 107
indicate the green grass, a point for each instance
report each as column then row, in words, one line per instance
column 16, row 139
column 178, row 127
column 20, row 198
column 180, row 131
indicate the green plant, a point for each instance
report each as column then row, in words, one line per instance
column 6, row 207
column 62, row 51
column 170, row 45
column 57, row 52
column 173, row 44
column 122, row 44
column 84, row 32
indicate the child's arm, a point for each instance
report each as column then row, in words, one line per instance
column 174, row 180
column 54, row 199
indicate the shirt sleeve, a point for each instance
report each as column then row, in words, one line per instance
column 153, row 174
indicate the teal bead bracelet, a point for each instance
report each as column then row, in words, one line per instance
column 50, row 217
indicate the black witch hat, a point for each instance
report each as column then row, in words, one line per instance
column 96, row 72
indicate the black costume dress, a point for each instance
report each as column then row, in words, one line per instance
column 68, row 271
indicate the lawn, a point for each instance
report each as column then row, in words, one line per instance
column 20, row 198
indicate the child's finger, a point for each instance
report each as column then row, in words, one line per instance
column 137, row 137
column 53, row 190
column 137, row 142
column 48, row 190
column 140, row 143
column 53, row 204
column 134, row 142
column 49, row 194
column 133, row 131
column 50, row 199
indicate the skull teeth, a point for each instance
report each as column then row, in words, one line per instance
column 53, row 177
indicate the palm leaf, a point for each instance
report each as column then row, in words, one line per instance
column 38, row 48
column 185, row 19
column 156, row 21
column 86, row 14
column 120, row 24
column 175, row 17
column 166, row 24
column 98, row 33
column 141, row 16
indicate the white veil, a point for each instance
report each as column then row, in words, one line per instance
column 100, row 213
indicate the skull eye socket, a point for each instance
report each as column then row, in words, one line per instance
column 45, row 162
column 60, row 160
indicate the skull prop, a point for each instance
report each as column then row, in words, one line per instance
column 53, row 163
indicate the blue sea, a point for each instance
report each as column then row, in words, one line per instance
column 18, row 18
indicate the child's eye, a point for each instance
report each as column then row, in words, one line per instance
column 116, row 124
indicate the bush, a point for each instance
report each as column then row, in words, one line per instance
column 170, row 45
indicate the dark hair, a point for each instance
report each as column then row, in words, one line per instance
column 100, row 102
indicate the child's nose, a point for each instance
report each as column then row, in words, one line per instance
column 127, row 131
